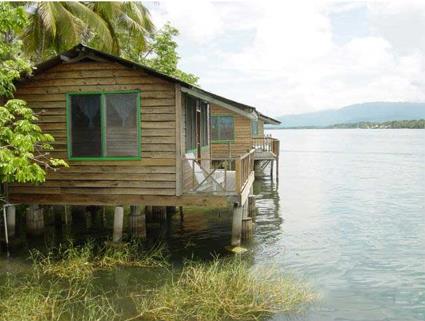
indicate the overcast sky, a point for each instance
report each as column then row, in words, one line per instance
column 294, row 56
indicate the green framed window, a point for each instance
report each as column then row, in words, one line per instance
column 103, row 125
column 222, row 129
column 254, row 128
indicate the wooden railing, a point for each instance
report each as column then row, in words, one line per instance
column 217, row 175
column 244, row 165
column 266, row 144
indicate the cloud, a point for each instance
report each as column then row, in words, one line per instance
column 290, row 56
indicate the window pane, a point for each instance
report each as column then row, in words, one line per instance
column 254, row 128
column 222, row 128
column 226, row 128
column 85, row 126
column 121, row 125
column 214, row 128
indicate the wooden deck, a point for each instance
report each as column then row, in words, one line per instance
column 266, row 148
column 230, row 178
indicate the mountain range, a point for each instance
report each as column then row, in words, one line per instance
column 370, row 112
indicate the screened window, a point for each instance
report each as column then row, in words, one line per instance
column 254, row 128
column 222, row 128
column 104, row 125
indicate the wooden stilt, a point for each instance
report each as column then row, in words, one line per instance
column 181, row 214
column 67, row 215
column 35, row 220
column 148, row 213
column 271, row 168
column 159, row 213
column 137, row 222
column 252, row 210
column 277, row 168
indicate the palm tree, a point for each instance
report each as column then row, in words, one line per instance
column 56, row 26
column 126, row 21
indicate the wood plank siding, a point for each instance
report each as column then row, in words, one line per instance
column 242, row 142
column 154, row 174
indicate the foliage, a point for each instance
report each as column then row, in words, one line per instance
column 56, row 26
column 12, row 64
column 223, row 290
column 161, row 54
column 24, row 148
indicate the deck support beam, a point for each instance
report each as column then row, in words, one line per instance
column 137, row 222
column 11, row 220
column 34, row 220
column 118, row 224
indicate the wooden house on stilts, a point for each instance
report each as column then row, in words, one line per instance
column 134, row 136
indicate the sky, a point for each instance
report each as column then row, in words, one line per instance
column 295, row 56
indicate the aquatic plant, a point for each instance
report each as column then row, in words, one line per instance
column 80, row 262
column 67, row 262
column 223, row 290
column 131, row 253
column 28, row 299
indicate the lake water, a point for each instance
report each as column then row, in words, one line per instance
column 348, row 216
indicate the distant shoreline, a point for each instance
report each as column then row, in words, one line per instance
column 394, row 124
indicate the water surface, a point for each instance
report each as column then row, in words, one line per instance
column 348, row 216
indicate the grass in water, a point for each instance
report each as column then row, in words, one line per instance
column 68, row 262
column 223, row 290
column 131, row 254
column 29, row 299
column 80, row 262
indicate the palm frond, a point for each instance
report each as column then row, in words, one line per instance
column 46, row 12
column 93, row 21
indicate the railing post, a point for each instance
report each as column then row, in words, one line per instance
column 193, row 174
column 238, row 168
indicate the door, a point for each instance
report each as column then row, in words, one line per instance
column 198, row 130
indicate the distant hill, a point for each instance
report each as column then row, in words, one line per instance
column 366, row 112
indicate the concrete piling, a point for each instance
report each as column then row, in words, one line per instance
column 237, row 225
column 11, row 220
column 118, row 224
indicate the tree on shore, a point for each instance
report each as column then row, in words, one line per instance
column 161, row 54
column 24, row 148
